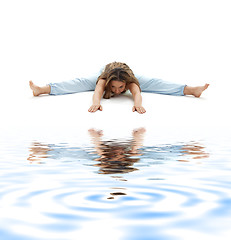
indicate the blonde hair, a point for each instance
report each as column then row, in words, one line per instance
column 117, row 74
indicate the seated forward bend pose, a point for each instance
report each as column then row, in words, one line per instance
column 116, row 79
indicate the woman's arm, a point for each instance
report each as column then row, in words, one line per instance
column 98, row 93
column 134, row 89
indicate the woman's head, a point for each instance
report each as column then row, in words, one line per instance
column 117, row 87
column 117, row 80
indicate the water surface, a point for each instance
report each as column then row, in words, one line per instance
column 131, row 188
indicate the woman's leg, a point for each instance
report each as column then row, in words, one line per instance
column 156, row 85
column 73, row 86
column 159, row 86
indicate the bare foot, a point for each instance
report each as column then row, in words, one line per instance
column 199, row 90
column 36, row 89
column 195, row 91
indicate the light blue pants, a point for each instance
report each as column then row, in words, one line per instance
column 152, row 85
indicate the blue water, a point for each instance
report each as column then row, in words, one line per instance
column 133, row 188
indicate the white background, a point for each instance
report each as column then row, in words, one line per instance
column 180, row 40
column 47, row 41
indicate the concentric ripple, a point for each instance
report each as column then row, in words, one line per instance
column 61, row 191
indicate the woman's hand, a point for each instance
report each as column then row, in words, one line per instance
column 95, row 107
column 135, row 90
column 139, row 109
column 99, row 89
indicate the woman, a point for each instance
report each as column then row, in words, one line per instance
column 115, row 79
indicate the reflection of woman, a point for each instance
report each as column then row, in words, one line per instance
column 41, row 151
column 117, row 157
column 114, row 156
column 179, row 152
column 115, row 79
